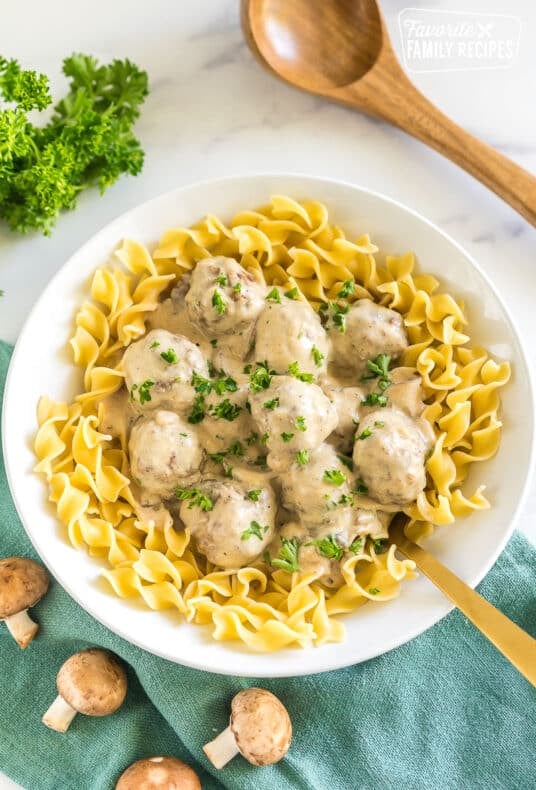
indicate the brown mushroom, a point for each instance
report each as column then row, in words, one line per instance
column 22, row 584
column 159, row 773
column 259, row 728
column 92, row 682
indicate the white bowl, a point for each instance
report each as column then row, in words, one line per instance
column 42, row 364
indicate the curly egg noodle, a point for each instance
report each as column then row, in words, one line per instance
column 291, row 244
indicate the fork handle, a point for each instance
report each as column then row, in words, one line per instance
column 514, row 643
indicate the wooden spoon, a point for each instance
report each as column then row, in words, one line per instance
column 340, row 49
column 515, row 644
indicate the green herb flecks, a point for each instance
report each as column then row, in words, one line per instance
column 318, row 356
column 287, row 559
column 375, row 399
column 287, row 437
column 225, row 410
column 195, row 497
column 254, row 529
column 218, row 302
column 254, row 494
column 334, row 476
column 198, row 410
column 360, row 487
column 293, row 293
column 302, row 457
column 300, row 423
column 364, row 435
column 274, row 296
column 347, row 289
column 170, row 356
column 271, row 404
column 294, row 370
column 261, row 378
column 328, row 547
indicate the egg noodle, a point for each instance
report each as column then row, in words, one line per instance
column 291, row 244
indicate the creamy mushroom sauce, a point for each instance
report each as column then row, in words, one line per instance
column 262, row 426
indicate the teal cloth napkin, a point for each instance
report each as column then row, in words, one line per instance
column 443, row 711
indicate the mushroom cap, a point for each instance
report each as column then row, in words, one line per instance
column 261, row 726
column 158, row 773
column 22, row 584
column 93, row 682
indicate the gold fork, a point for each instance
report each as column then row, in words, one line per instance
column 514, row 643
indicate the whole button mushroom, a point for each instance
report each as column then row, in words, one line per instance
column 92, row 682
column 159, row 773
column 22, row 584
column 259, row 728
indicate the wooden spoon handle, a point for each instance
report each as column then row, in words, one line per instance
column 387, row 93
column 514, row 643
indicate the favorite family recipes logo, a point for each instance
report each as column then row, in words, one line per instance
column 457, row 40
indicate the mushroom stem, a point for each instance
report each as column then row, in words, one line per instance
column 59, row 716
column 222, row 749
column 22, row 628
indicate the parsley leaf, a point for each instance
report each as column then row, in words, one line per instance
column 300, row 424
column 357, row 546
column 274, row 296
column 261, row 378
column 360, row 487
column 201, row 384
column 373, row 590
column 252, row 438
column 196, row 498
column 198, row 410
column 154, row 344
column 292, row 294
column 379, row 424
column 348, row 288
column 237, row 288
column 287, row 559
column 347, row 461
column 225, row 410
column 221, row 279
column 227, row 384
column 364, row 434
column 302, row 457
column 339, row 316
column 87, row 142
column 379, row 546
column 254, row 529
column 328, row 547
column 335, row 477
column 170, row 356
column 375, row 399
column 378, row 368
column 294, row 370
column 287, row 437
column 144, row 391
column 214, row 342
column 218, row 302
column 318, row 356
column 271, row 404
column 254, row 494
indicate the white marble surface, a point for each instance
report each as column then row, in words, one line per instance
column 212, row 111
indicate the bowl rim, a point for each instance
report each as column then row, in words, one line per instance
column 316, row 181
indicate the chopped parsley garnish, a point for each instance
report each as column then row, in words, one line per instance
column 339, row 316
column 227, row 470
column 237, row 288
column 221, row 279
column 254, row 494
column 196, row 498
column 247, row 368
column 335, row 477
column 170, row 356
column 254, row 529
column 261, row 378
column 211, row 368
column 271, row 404
column 264, row 438
column 348, row 288
column 247, row 404
column 379, row 369
column 133, row 392
column 364, row 434
column 294, row 370
column 260, row 460
column 302, row 457
column 144, row 391
column 287, row 559
column 218, row 302
column 375, row 399
column 252, row 438
column 299, row 423
column 236, row 449
column 347, row 461
column 225, row 410
column 214, row 342
column 292, row 294
column 357, row 546
column 201, row 384
column 154, row 344
column 360, row 487
column 318, row 356
column 287, row 437
column 379, row 546
column 373, row 590
column 274, row 296
column 346, row 499
column 328, row 547
column 379, row 424
column 198, row 410
column 227, row 384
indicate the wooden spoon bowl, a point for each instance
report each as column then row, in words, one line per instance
column 340, row 49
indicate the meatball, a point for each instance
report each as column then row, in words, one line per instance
column 369, row 330
column 158, row 371
column 164, row 453
column 390, row 457
column 318, row 492
column 289, row 332
column 230, row 529
column 291, row 416
column 224, row 299
column 347, row 401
